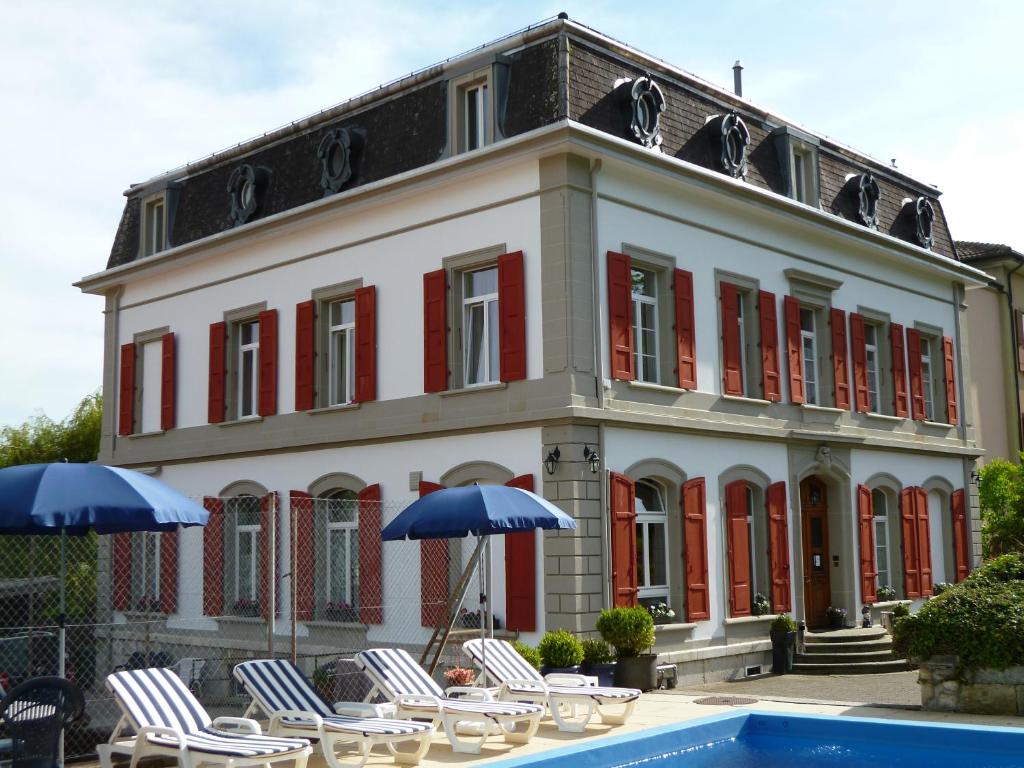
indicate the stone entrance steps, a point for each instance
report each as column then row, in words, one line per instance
column 855, row 651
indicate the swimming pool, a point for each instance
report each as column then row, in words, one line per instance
column 770, row 740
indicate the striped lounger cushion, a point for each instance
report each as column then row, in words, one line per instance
column 214, row 742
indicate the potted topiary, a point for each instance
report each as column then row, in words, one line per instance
column 631, row 631
column 528, row 652
column 598, row 660
column 560, row 651
column 783, row 634
column 836, row 617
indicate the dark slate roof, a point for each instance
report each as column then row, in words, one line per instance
column 404, row 126
column 969, row 251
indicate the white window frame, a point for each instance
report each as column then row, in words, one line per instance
column 804, row 170
column 253, row 532
column 872, row 358
column 150, row 573
column 639, row 300
column 348, row 530
column 812, row 375
column 752, row 545
column 644, row 520
column 252, row 347
column 483, row 301
column 154, row 239
column 347, row 374
column 741, row 310
column 927, row 383
column 478, row 114
column 880, row 521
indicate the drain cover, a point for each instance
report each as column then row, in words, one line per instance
column 725, row 701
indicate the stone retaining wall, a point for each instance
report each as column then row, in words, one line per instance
column 983, row 691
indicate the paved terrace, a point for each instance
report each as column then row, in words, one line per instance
column 663, row 708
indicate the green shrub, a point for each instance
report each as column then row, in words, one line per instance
column 885, row 594
column 560, row 649
column 528, row 652
column 939, row 587
column 597, row 652
column 1001, row 497
column 1000, row 569
column 900, row 610
column 760, row 606
column 981, row 622
column 782, row 623
column 630, row 630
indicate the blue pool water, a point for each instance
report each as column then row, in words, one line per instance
column 766, row 740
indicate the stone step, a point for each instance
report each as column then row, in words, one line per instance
column 843, row 658
column 853, row 635
column 867, row 668
column 867, row 646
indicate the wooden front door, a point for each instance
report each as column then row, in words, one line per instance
column 817, row 585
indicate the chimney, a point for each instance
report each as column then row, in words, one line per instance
column 737, row 78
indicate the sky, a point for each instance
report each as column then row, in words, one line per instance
column 97, row 95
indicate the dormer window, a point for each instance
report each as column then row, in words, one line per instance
column 798, row 161
column 475, row 104
column 730, row 138
column 154, row 225
column 472, row 106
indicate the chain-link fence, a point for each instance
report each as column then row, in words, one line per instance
column 286, row 575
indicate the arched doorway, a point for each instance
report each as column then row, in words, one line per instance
column 817, row 581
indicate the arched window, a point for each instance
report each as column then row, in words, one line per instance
column 651, row 543
column 883, row 548
column 746, row 546
column 940, row 535
column 337, row 513
column 242, row 515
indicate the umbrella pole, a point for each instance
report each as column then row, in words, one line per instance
column 440, row 635
column 483, row 577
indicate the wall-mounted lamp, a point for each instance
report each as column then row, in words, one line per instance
column 551, row 462
column 591, row 457
column 975, row 477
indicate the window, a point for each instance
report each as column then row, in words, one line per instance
column 248, row 367
column 743, row 337
column 809, row 350
column 883, row 567
column 146, row 569
column 340, row 514
column 645, row 324
column 477, row 111
column 741, row 315
column 480, row 326
column 341, row 346
column 756, row 587
column 805, row 175
column 872, row 367
column 154, row 226
column 927, row 379
column 651, row 543
column 471, row 111
column 243, row 516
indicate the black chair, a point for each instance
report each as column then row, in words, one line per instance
column 34, row 714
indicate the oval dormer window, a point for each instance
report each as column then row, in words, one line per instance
column 648, row 102
column 335, row 153
column 244, row 193
column 868, row 194
column 924, row 215
column 734, row 139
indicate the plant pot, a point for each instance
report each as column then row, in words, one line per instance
column 637, row 672
column 783, row 648
column 546, row 670
column 836, row 620
column 604, row 672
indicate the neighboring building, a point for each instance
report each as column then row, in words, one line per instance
column 997, row 359
column 741, row 340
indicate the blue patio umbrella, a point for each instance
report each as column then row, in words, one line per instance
column 478, row 510
column 72, row 499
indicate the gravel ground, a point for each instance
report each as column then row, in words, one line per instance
column 894, row 689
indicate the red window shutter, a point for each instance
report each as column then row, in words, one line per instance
column 126, row 391
column 911, row 554
column 169, row 572
column 948, row 369
column 858, row 347
column 620, row 316
column 371, row 557
column 916, row 379
column 794, row 349
column 167, row 381
column 512, row 316
column 435, row 332
column 738, row 548
column 778, row 547
column 268, row 517
column 840, row 369
column 433, row 573
column 866, row 536
column 899, row 370
column 366, row 344
column 732, row 355
column 695, row 547
column 623, row 515
column 961, row 535
column 521, row 572
column 305, row 355
column 771, row 378
column 268, row 363
column 213, row 558
column 686, row 343
column 215, row 399
column 300, row 507
column 121, row 556
column 924, row 540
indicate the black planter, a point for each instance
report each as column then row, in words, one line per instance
column 546, row 670
column 837, row 620
column 783, row 647
column 605, row 673
column 637, row 672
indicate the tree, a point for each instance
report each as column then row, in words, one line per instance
column 1001, row 489
column 41, row 439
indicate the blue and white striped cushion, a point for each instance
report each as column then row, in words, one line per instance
column 593, row 692
column 214, row 742
column 396, row 673
column 488, row 708
column 276, row 684
column 158, row 697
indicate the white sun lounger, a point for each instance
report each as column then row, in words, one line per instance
column 170, row 722
column 563, row 693
column 395, row 674
column 284, row 695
